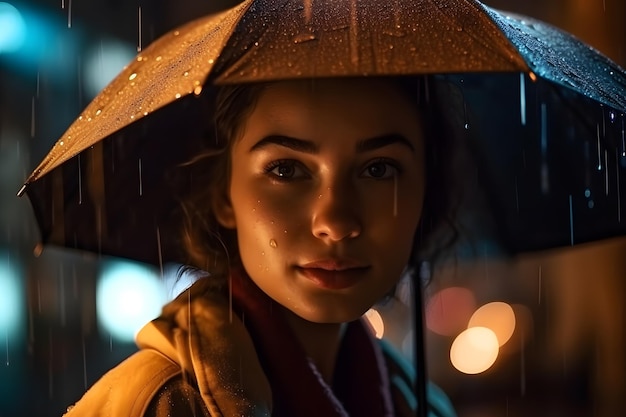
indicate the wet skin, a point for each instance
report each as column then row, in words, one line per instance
column 326, row 193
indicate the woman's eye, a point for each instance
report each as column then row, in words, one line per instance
column 285, row 170
column 380, row 170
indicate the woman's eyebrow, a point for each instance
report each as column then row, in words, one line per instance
column 306, row 146
column 299, row 145
column 377, row 142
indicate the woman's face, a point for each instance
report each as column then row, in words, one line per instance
column 326, row 193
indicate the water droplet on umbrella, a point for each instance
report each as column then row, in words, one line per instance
column 132, row 76
column 304, row 37
column 273, row 243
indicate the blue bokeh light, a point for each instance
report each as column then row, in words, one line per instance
column 12, row 28
column 128, row 295
column 11, row 297
column 103, row 62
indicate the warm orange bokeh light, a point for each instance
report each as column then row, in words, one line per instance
column 376, row 321
column 474, row 350
column 497, row 316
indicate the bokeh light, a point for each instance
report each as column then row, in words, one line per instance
column 103, row 62
column 128, row 295
column 11, row 296
column 474, row 350
column 12, row 28
column 497, row 316
column 449, row 310
column 376, row 321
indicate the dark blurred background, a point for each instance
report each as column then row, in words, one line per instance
column 57, row 333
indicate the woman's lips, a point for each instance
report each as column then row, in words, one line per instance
column 333, row 275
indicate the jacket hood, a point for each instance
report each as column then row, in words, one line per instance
column 200, row 333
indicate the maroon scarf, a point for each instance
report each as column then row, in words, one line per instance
column 360, row 383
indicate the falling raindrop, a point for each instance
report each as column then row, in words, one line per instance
column 395, row 195
column 522, row 365
column 6, row 338
column 62, row 302
column 540, row 277
column 140, row 179
column 545, row 178
column 623, row 138
column 606, row 173
column 516, row 195
column 599, row 149
column 32, row 118
column 69, row 14
column 619, row 191
column 273, row 243
column 158, row 236
column 522, row 98
column 139, row 42
column 84, row 364
column 80, row 182
column 571, row 221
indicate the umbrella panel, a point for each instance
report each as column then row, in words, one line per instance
column 551, row 162
column 121, row 196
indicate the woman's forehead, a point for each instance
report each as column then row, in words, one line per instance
column 361, row 104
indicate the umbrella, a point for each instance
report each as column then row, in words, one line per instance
column 268, row 40
column 543, row 111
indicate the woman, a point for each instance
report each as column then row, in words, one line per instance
column 312, row 211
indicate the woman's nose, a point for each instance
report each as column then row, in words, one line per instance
column 336, row 214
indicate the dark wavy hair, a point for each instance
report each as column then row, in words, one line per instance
column 210, row 247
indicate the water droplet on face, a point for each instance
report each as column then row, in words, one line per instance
column 273, row 243
column 262, row 253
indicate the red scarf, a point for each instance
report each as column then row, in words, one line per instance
column 360, row 384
